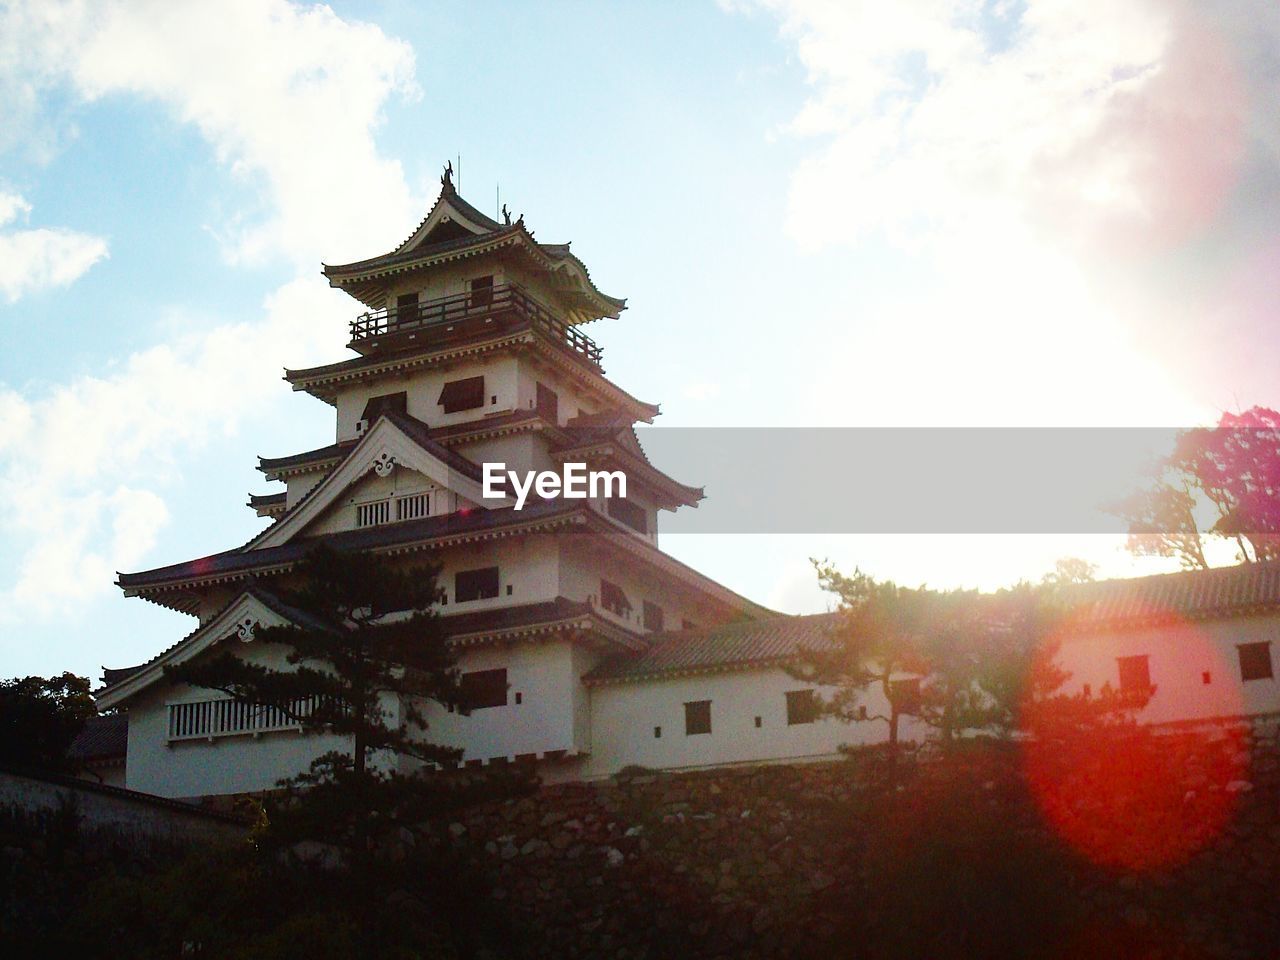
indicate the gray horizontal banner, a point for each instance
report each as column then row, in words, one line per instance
column 925, row 480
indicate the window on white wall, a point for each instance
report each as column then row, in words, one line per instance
column 613, row 599
column 697, row 717
column 1135, row 674
column 482, row 689
column 1255, row 661
column 372, row 514
column 652, row 616
column 466, row 394
column 801, row 707
column 479, row 584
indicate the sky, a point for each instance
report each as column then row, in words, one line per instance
column 925, row 213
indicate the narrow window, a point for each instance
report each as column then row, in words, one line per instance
column 1255, row 661
column 482, row 291
column 627, row 512
column 484, row 688
column 413, row 507
column 801, row 707
column 1206, row 677
column 613, row 599
column 652, row 616
column 759, row 723
column 406, row 308
column 386, row 403
column 657, row 733
column 697, row 717
column 548, row 403
column 479, row 584
column 1135, row 674
column 462, row 394
column 372, row 514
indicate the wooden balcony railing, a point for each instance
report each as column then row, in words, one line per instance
column 462, row 313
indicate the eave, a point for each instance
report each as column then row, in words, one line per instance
column 366, row 280
column 324, row 382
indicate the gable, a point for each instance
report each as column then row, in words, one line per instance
column 238, row 622
column 395, row 443
column 452, row 218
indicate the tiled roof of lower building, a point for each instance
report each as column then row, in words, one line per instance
column 1191, row 594
column 733, row 646
column 104, row 737
column 1107, row 605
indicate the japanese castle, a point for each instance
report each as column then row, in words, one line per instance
column 584, row 647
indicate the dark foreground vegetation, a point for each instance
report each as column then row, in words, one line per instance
column 1154, row 847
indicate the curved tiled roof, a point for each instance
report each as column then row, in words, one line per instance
column 1107, row 605
column 104, row 737
column 387, row 535
column 1190, row 594
column 733, row 646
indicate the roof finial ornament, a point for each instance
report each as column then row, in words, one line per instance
column 520, row 221
column 446, row 179
column 506, row 215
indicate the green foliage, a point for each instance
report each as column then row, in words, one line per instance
column 370, row 638
column 40, row 717
column 366, row 654
column 1221, row 482
column 958, row 660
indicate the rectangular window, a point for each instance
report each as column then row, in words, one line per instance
column 613, row 599
column 479, row 584
column 1135, row 674
column 801, row 707
column 387, row 403
column 411, row 508
column 406, row 308
column 548, row 403
column 372, row 514
column 1255, row 661
column 462, row 394
column 652, row 616
column 697, row 717
column 627, row 512
column 484, row 688
column 481, row 291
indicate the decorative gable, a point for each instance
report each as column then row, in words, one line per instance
column 394, row 443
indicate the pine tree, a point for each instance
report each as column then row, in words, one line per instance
column 366, row 654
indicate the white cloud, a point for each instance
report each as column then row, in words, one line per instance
column 1036, row 161
column 288, row 97
column 32, row 260
column 129, row 431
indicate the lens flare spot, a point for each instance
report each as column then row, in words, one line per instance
column 1125, row 794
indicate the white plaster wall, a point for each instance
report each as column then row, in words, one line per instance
column 447, row 280
column 623, row 717
column 1179, row 655
column 341, row 515
column 299, row 485
column 528, row 565
column 423, row 389
column 521, row 452
column 545, row 676
column 583, row 564
column 229, row 764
